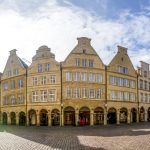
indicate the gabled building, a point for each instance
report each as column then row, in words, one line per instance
column 83, row 86
column 13, row 90
column 122, row 96
column 44, row 89
column 144, row 91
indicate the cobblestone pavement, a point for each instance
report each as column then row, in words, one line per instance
column 110, row 137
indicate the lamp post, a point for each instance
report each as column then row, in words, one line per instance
column 62, row 117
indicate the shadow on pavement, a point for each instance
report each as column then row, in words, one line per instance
column 68, row 137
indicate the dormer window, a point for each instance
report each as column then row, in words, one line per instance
column 39, row 67
column 47, row 67
column 78, row 62
column 122, row 69
column 84, row 51
column 83, row 62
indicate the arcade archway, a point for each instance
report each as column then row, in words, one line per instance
column 32, row 117
column 69, row 116
column 98, row 116
column 55, row 116
column 111, row 116
column 43, row 117
column 84, row 116
column 123, row 115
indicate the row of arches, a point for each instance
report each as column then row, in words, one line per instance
column 83, row 116
column 22, row 118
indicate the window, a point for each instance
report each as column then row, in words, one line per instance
column 43, row 95
column 132, row 84
column 13, row 84
column 13, row 100
column 77, row 62
column 145, row 74
column 76, row 93
column 83, row 62
column 142, row 99
column 20, row 99
column 126, row 96
column 15, row 72
column 120, row 95
column 126, row 82
column 5, row 86
column 52, row 94
column 92, row 77
column 92, row 93
column 99, row 93
column 53, row 79
column 9, row 73
column 149, row 85
column 91, row 63
column 113, row 80
column 68, row 76
column 120, row 82
column 39, row 67
column 76, row 76
column 43, row 80
column 98, row 78
column 6, row 100
column 132, row 96
column 113, row 95
column 84, row 93
column 34, row 80
column 145, row 85
column 146, row 98
column 84, row 76
column 123, row 70
column 47, row 67
column 68, row 92
column 20, row 83
column 141, row 84
column 34, row 96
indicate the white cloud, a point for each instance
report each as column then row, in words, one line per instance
column 58, row 27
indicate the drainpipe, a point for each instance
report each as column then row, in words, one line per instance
column 61, row 95
column 105, row 105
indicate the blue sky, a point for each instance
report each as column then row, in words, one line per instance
column 26, row 25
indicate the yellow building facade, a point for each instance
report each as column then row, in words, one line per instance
column 44, row 89
column 13, row 91
column 81, row 90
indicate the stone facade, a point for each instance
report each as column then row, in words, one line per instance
column 144, row 91
column 13, row 90
column 81, row 90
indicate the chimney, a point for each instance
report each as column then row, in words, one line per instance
column 122, row 49
column 13, row 52
column 84, row 41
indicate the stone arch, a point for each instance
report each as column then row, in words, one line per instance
column 133, row 115
column 112, row 115
column 13, row 118
column 123, row 115
column 5, row 118
column 69, row 115
column 98, row 116
column 84, row 116
column 22, row 118
column 55, row 116
column 32, row 117
column 142, row 114
column 43, row 117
